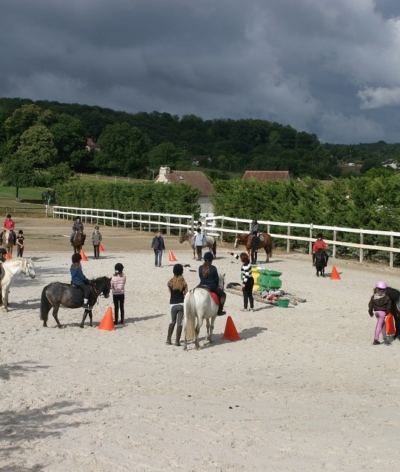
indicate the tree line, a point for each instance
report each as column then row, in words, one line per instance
column 42, row 142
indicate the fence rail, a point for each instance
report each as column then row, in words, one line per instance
column 222, row 226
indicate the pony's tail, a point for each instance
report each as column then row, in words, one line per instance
column 214, row 248
column 44, row 306
column 190, row 315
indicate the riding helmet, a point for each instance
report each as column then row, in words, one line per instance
column 8, row 215
column 208, row 257
column 76, row 257
column 178, row 269
column 118, row 267
column 96, row 227
column 2, row 250
column 77, row 218
column 319, row 235
column 381, row 284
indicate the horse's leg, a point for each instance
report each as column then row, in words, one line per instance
column 4, row 296
column 85, row 313
column 212, row 328
column 266, row 254
column 208, row 328
column 91, row 318
column 194, row 252
column 199, row 323
column 55, row 315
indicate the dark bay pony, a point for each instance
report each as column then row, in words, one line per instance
column 57, row 293
column 208, row 241
column 77, row 242
column 265, row 242
column 320, row 262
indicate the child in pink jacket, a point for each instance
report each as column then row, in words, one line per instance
column 118, row 287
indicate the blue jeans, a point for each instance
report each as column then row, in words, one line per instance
column 158, row 257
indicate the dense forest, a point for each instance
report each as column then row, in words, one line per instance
column 51, row 137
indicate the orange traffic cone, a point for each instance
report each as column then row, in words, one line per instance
column 390, row 325
column 172, row 258
column 101, row 248
column 335, row 274
column 230, row 331
column 107, row 323
column 83, row 255
column 8, row 256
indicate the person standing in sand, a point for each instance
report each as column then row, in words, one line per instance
column 379, row 305
column 178, row 289
column 97, row 238
column 247, row 281
column 118, row 281
column 20, row 243
column 158, row 246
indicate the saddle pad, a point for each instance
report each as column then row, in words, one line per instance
column 215, row 297
column 77, row 295
column 261, row 237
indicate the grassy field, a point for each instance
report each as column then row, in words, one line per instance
column 29, row 203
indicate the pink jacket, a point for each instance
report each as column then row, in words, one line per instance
column 118, row 284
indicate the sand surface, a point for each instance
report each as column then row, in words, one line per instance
column 304, row 389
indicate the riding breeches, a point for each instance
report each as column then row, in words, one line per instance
column 119, row 301
column 380, row 325
column 177, row 314
column 87, row 291
column 248, row 293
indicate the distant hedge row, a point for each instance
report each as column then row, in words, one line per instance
column 146, row 197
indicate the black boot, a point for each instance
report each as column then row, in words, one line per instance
column 171, row 328
column 221, row 310
column 122, row 317
column 178, row 335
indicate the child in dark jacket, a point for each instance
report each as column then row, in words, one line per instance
column 379, row 305
column 79, row 280
column 96, row 240
column 20, row 243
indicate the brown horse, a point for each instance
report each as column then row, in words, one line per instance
column 77, row 242
column 8, row 241
column 265, row 241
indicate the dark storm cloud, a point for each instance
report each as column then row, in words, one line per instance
column 325, row 67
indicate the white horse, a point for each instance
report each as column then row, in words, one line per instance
column 10, row 269
column 8, row 241
column 208, row 241
column 199, row 305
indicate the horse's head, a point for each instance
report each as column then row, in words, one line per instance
column 182, row 238
column 238, row 240
column 102, row 286
column 29, row 268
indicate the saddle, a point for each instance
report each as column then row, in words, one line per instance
column 78, row 294
column 213, row 295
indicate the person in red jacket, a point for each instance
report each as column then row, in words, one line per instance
column 319, row 244
column 9, row 225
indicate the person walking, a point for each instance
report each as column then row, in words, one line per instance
column 198, row 242
column 118, row 281
column 247, row 280
column 255, row 240
column 178, row 289
column 96, row 240
column 208, row 275
column 379, row 305
column 158, row 246
column 20, row 243
column 319, row 244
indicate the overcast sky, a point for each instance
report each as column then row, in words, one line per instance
column 329, row 67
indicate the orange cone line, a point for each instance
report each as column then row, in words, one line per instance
column 335, row 274
column 230, row 330
column 107, row 323
column 172, row 258
column 83, row 255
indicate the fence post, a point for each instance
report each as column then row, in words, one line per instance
column 288, row 241
column 310, row 244
column 334, row 245
column 222, row 227
column 169, row 225
column 361, row 249
column 391, row 252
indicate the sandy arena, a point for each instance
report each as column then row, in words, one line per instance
column 303, row 390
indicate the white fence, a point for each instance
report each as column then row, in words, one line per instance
column 221, row 225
